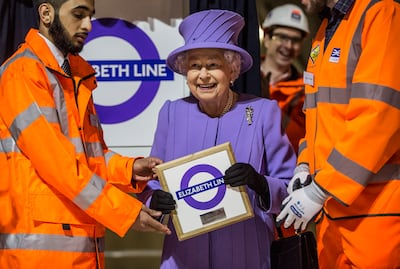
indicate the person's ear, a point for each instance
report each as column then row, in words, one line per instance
column 46, row 13
column 266, row 40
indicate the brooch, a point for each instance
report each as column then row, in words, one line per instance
column 249, row 115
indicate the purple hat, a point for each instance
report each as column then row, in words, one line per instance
column 213, row 28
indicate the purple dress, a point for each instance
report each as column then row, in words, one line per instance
column 183, row 129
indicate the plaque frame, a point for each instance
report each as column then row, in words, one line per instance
column 220, row 205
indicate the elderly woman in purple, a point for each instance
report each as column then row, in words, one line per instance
column 212, row 115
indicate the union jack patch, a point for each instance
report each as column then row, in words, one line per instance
column 335, row 55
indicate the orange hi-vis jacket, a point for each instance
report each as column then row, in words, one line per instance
column 60, row 185
column 290, row 97
column 352, row 105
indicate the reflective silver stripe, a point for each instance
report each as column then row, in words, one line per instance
column 58, row 93
column 376, row 92
column 50, row 242
column 359, row 173
column 77, row 141
column 359, row 90
column 302, row 146
column 90, row 192
column 24, row 119
column 354, row 52
column 310, row 100
column 25, row 53
column 355, row 48
column 94, row 149
column 50, row 113
column 8, row 145
column 109, row 155
column 59, row 100
column 333, row 95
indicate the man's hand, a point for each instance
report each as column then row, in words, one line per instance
column 300, row 179
column 143, row 168
column 162, row 201
column 146, row 222
column 301, row 206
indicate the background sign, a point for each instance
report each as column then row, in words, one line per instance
column 133, row 79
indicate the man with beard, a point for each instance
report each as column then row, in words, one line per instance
column 285, row 28
column 61, row 186
column 352, row 143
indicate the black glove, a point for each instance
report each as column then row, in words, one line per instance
column 297, row 184
column 244, row 174
column 162, row 201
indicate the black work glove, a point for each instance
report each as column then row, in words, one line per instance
column 162, row 201
column 244, row 174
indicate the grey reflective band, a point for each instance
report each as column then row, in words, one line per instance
column 25, row 53
column 59, row 100
column 58, row 94
column 50, row 114
column 8, row 145
column 51, row 242
column 358, row 173
column 302, row 146
column 108, row 155
column 94, row 149
column 310, row 101
column 24, row 119
column 359, row 90
column 94, row 187
column 376, row 92
column 77, row 141
column 58, row 114
column 90, row 192
column 333, row 95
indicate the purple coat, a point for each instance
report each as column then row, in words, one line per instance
column 183, row 129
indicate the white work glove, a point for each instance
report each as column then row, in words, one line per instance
column 301, row 206
column 300, row 179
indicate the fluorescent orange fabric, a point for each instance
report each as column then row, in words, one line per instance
column 290, row 97
column 341, row 247
column 56, row 171
column 352, row 141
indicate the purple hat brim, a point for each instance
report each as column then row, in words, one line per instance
column 247, row 61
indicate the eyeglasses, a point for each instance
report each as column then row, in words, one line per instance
column 285, row 39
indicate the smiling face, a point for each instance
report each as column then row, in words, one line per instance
column 283, row 46
column 69, row 26
column 209, row 76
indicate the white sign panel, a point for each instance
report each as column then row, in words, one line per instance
column 133, row 79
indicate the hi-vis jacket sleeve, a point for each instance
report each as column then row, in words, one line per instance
column 47, row 162
column 119, row 170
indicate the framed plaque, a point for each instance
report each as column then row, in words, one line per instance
column 203, row 202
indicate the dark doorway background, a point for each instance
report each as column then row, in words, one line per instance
column 248, row 82
column 17, row 16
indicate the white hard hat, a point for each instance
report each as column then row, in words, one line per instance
column 288, row 15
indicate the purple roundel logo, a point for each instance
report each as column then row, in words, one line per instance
column 150, row 69
column 216, row 182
